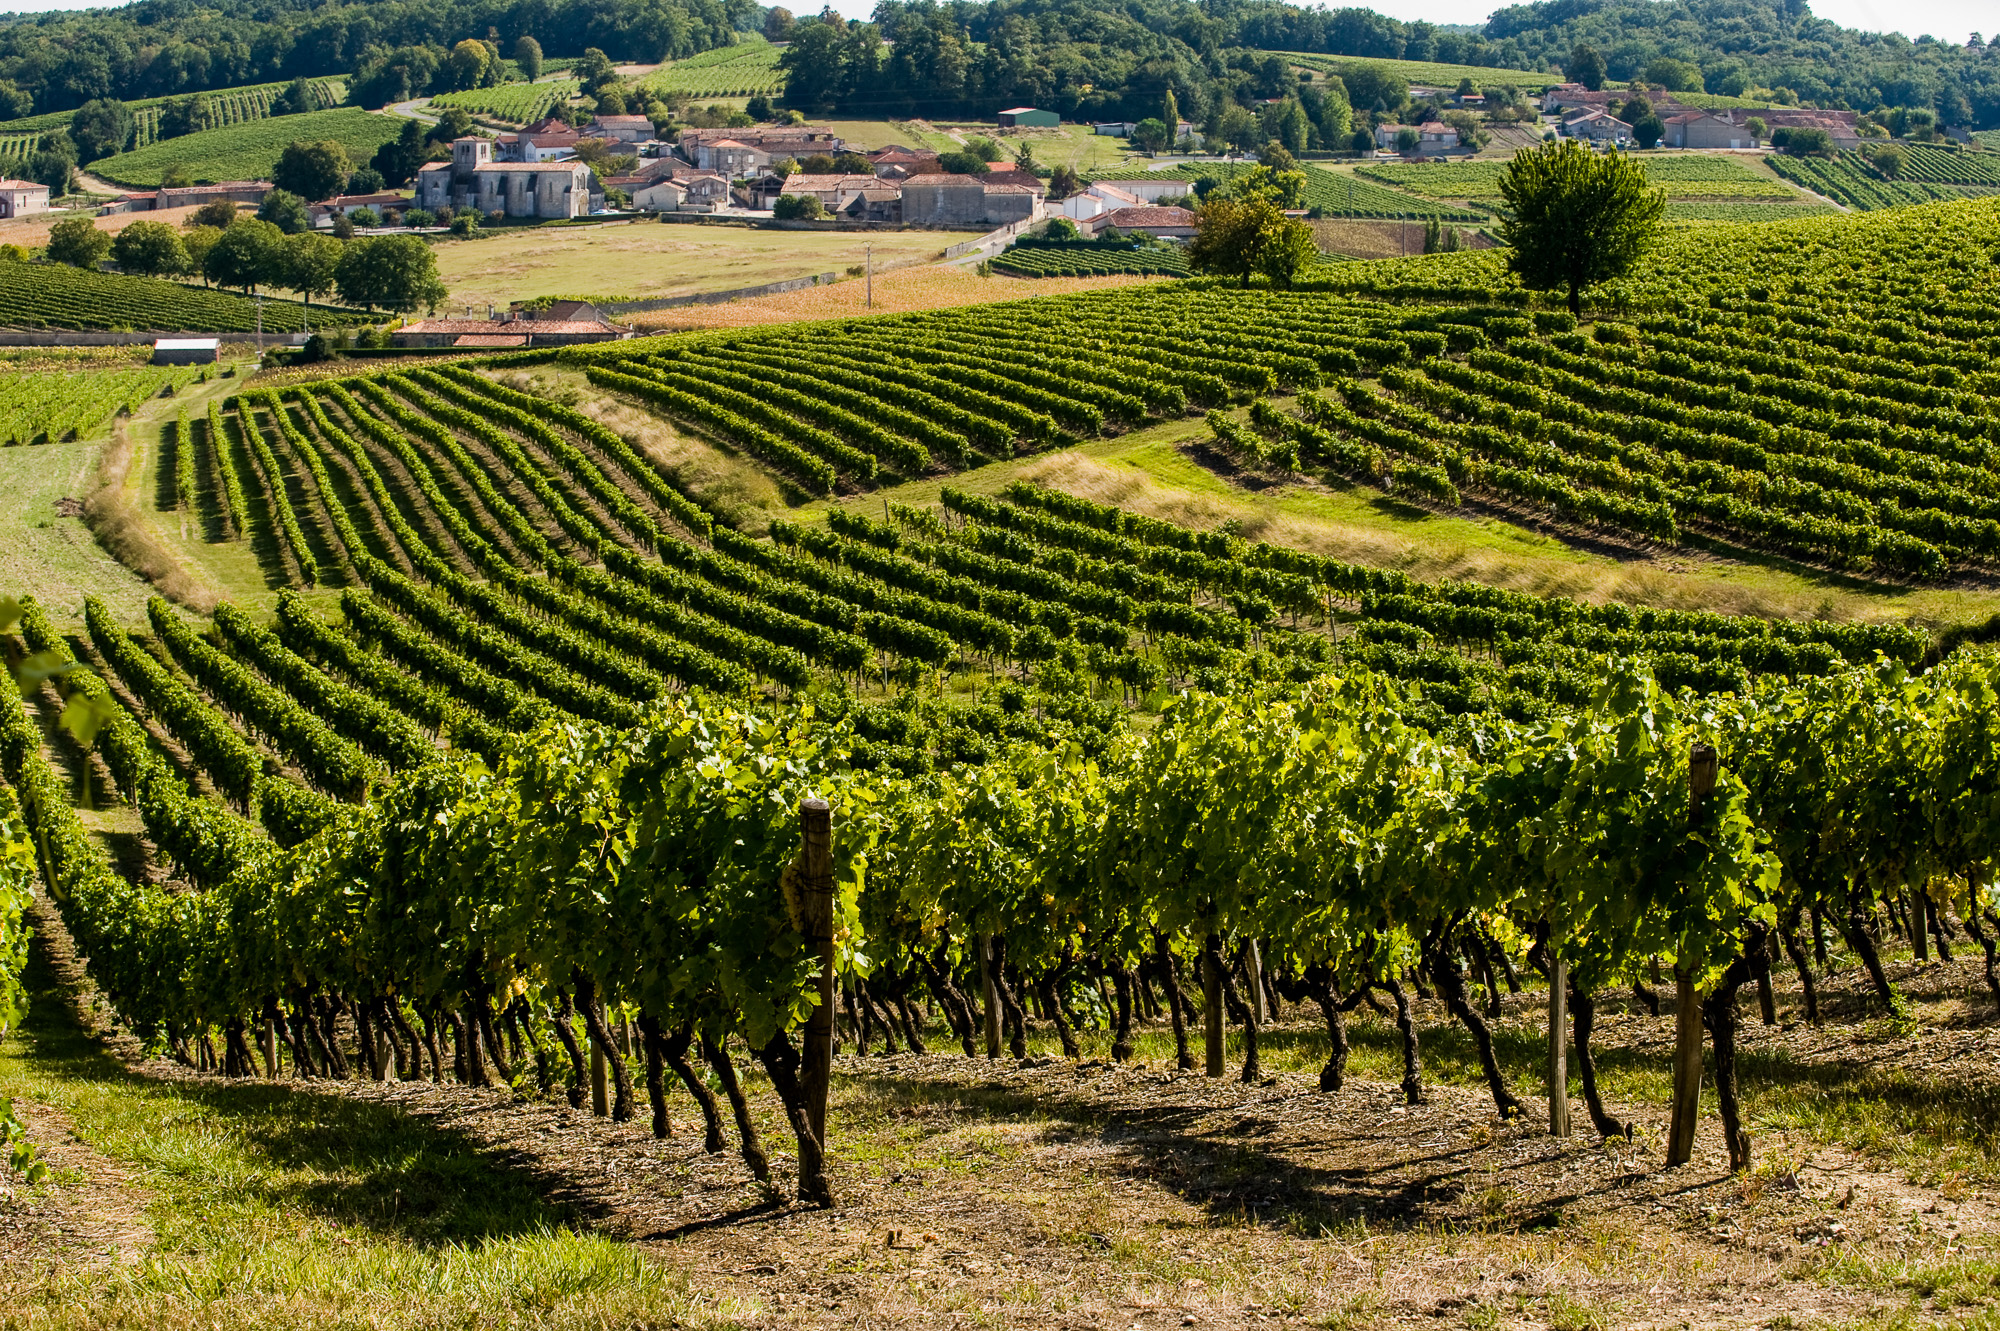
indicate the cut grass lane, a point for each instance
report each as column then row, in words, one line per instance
column 276, row 1205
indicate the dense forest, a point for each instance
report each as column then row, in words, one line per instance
column 59, row 61
column 1118, row 57
column 1082, row 57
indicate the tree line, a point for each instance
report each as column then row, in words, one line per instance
column 230, row 249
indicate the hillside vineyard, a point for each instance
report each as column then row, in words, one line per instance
column 553, row 665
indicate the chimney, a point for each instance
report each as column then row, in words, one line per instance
column 489, row 311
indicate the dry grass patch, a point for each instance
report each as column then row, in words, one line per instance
column 900, row 291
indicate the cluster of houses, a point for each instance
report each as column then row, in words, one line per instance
column 1587, row 115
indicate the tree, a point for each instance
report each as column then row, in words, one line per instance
column 198, row 241
column 1375, row 87
column 1470, row 132
column 778, row 24
column 1674, row 75
column 454, row 122
column 1277, row 157
column 53, row 168
column 1151, row 135
column 1586, row 66
column 1286, row 250
column 150, row 249
column 468, row 64
column 1289, row 126
column 400, row 159
column 389, row 272
column 250, row 254
column 611, row 102
column 528, row 55
column 16, row 102
column 1170, row 113
column 217, row 213
column 314, row 171
column 365, row 180
column 1064, row 184
column 798, row 207
column 1887, row 159
column 175, row 176
column 1758, row 129
column 985, row 149
column 1060, row 228
column 1238, row 128
column 1648, row 132
column 285, row 211
column 100, row 128
column 595, row 71
column 963, row 164
column 758, row 108
column 1807, row 142
column 76, row 242
column 1635, row 109
column 1284, row 187
column 1578, row 218
column 310, row 262
column 183, row 116
column 1407, row 139
column 296, row 99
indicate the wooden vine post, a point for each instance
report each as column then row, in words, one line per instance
column 1558, row 1044
column 1702, row 764
column 989, row 994
column 1212, row 1032
column 816, row 896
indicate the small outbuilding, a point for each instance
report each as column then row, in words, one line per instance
column 186, row 350
column 1027, row 117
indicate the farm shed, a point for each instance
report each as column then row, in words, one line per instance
column 186, row 350
column 1027, row 117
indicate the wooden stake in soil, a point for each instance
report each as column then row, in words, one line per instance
column 1702, row 765
column 816, row 895
column 1211, row 1004
column 600, row 1090
column 989, row 993
column 1558, row 1046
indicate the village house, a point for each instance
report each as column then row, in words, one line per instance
column 698, row 146
column 344, row 205
column 879, row 204
column 619, row 129
column 899, row 163
column 833, row 192
column 1434, row 136
column 472, row 179
column 547, row 146
column 948, row 200
column 695, row 192
column 1698, row 129
column 18, row 198
column 1596, row 126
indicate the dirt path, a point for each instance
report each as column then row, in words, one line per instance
column 89, row 1213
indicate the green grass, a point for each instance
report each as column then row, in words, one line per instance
column 277, row 1205
column 1152, row 470
column 248, row 151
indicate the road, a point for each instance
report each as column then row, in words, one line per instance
column 409, row 109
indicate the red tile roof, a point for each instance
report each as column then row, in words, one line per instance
column 491, row 340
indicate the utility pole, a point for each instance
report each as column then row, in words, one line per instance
column 260, row 327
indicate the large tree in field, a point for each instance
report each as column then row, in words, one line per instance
column 248, row 255
column 392, row 272
column 1242, row 229
column 150, row 249
column 1578, row 217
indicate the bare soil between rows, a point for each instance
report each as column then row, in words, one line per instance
column 1050, row 1193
